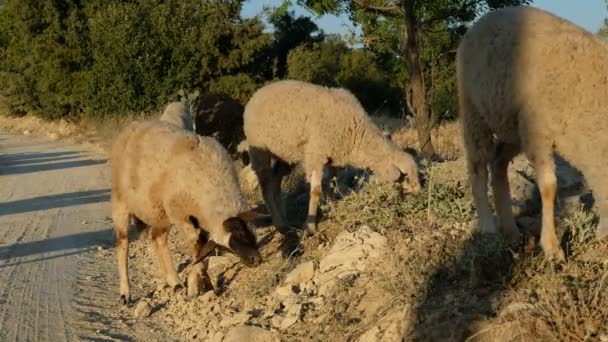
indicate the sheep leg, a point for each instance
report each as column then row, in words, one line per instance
column 270, row 177
column 314, row 179
column 502, row 193
column 547, row 183
column 479, row 148
column 159, row 236
column 121, row 222
column 199, row 249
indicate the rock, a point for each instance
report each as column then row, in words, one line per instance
column 216, row 336
column 301, row 274
column 84, row 222
column 284, row 291
column 524, row 190
column 349, row 255
column 392, row 327
column 235, row 319
column 373, row 300
column 292, row 315
column 207, row 297
column 27, row 132
column 217, row 265
column 53, row 136
column 250, row 334
column 276, row 321
column 372, row 335
column 143, row 309
column 198, row 281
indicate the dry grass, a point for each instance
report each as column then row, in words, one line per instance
column 451, row 284
column 447, row 140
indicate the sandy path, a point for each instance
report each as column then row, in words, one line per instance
column 54, row 224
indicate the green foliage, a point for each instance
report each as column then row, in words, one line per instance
column 289, row 33
column 440, row 24
column 40, row 54
column 332, row 63
column 108, row 57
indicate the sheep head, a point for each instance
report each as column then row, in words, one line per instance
column 241, row 240
column 401, row 168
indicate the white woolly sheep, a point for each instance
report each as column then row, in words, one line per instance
column 289, row 122
column 179, row 115
column 163, row 175
column 532, row 82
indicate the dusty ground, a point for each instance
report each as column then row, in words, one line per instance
column 53, row 225
column 383, row 266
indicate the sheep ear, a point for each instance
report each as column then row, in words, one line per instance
column 248, row 216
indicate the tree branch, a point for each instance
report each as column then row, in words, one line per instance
column 388, row 10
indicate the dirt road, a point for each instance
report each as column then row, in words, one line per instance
column 53, row 226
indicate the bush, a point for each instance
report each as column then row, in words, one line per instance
column 332, row 63
column 106, row 57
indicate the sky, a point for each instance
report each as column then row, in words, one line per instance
column 589, row 14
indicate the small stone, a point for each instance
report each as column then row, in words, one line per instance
column 143, row 309
column 284, row 291
column 206, row 297
column 302, row 273
column 292, row 315
column 27, row 132
column 235, row 319
column 251, row 334
column 84, row 222
column 53, row 136
column 372, row 335
column 276, row 321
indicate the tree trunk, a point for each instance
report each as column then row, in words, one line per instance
column 416, row 91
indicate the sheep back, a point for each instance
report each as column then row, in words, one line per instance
column 222, row 118
column 156, row 165
column 524, row 67
column 293, row 118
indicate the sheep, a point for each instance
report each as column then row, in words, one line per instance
column 531, row 82
column 288, row 122
column 178, row 114
column 221, row 117
column 162, row 175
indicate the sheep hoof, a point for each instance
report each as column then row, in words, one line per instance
column 308, row 230
column 555, row 254
column 178, row 288
column 125, row 299
column 513, row 237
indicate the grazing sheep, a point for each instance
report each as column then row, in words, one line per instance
column 289, row 122
column 162, row 176
column 532, row 82
column 178, row 114
column 220, row 117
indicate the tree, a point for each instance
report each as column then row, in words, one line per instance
column 401, row 27
column 289, row 33
column 332, row 63
column 67, row 57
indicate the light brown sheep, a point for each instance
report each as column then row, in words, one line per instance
column 532, row 82
column 163, row 175
column 289, row 122
column 178, row 114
